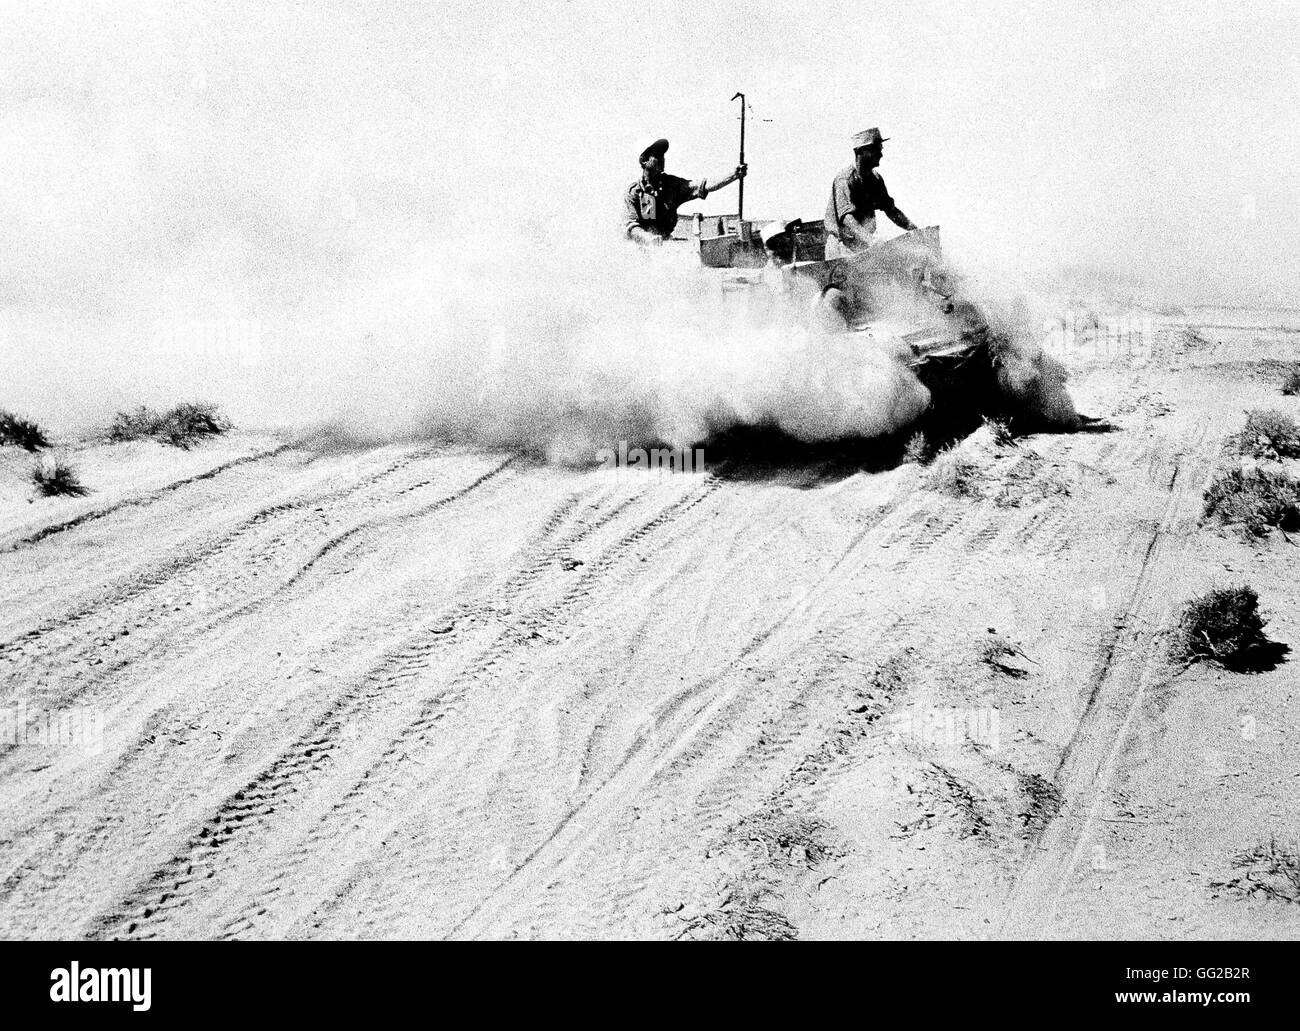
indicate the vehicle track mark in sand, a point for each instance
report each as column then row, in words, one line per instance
column 763, row 748
column 67, row 850
column 387, row 779
column 1129, row 661
column 292, row 774
column 928, row 531
column 670, row 731
column 982, row 538
column 139, row 500
column 223, row 585
column 729, row 728
column 142, row 581
column 686, row 725
column 337, row 541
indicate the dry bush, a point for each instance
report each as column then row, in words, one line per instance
column 22, row 432
column 1001, row 431
column 1225, row 626
column 1270, row 870
column 1005, row 657
column 181, row 426
column 783, row 839
column 58, row 479
column 1269, row 434
column 743, row 914
column 954, row 474
column 917, row 451
column 1042, row 801
column 1255, row 499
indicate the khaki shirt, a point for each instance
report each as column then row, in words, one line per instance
column 654, row 206
column 851, row 194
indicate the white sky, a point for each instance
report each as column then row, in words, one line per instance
column 248, row 156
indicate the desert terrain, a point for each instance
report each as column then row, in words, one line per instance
column 429, row 692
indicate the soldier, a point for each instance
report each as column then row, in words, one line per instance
column 652, row 201
column 857, row 193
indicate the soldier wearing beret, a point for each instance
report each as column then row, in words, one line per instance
column 652, row 201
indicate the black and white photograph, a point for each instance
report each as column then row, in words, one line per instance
column 688, row 471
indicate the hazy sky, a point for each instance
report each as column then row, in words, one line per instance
column 254, row 157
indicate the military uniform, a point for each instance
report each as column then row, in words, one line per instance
column 861, row 196
column 852, row 194
column 653, row 206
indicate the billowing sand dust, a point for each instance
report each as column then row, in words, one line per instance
column 423, row 692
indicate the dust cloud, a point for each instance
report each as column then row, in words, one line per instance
column 393, row 223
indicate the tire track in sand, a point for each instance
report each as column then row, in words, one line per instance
column 145, row 580
column 364, row 810
column 216, row 575
column 68, row 847
column 139, row 500
column 298, row 770
column 1129, row 662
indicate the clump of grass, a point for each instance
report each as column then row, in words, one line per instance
column 58, row 479
column 23, row 432
column 1001, row 432
column 1225, row 626
column 744, row 913
column 964, row 798
column 1270, row 870
column 1255, row 499
column 133, row 425
column 955, row 474
column 917, row 450
column 1000, row 654
column 1269, row 434
column 1043, row 802
column 782, row 839
column 181, row 426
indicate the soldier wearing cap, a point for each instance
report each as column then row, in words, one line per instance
column 652, row 201
column 857, row 193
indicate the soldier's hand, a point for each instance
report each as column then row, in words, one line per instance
column 741, row 171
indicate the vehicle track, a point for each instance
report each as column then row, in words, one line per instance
column 139, row 500
column 69, row 847
column 1129, row 661
column 142, row 581
column 728, row 715
column 292, row 773
column 510, row 659
column 140, row 617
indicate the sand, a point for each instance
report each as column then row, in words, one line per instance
column 415, row 691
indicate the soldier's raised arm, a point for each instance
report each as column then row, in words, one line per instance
column 716, row 184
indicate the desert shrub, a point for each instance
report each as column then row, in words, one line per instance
column 1255, row 499
column 955, row 474
column 917, row 450
column 1223, row 626
column 1269, row 434
column 133, row 425
column 22, row 432
column 57, row 479
column 1001, row 431
column 1271, row 870
column 745, row 913
column 1002, row 655
column 1043, row 801
column 181, row 426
